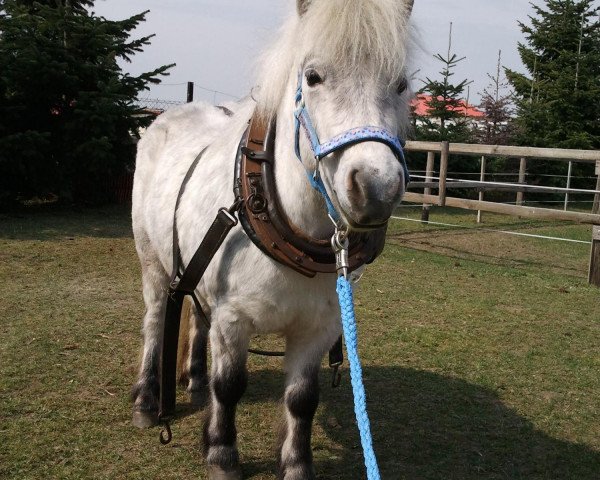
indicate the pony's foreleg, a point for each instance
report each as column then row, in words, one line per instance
column 145, row 392
column 301, row 398
column 228, row 344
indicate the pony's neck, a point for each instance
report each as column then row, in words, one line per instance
column 303, row 205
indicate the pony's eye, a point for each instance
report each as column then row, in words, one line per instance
column 312, row 77
column 402, row 86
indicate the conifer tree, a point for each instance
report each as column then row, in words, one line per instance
column 444, row 120
column 557, row 100
column 68, row 112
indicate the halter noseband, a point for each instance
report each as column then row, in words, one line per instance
column 339, row 142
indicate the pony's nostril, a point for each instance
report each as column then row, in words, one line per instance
column 358, row 188
column 351, row 179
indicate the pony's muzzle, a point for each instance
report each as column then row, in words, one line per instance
column 371, row 195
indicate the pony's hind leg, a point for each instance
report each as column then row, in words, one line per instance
column 303, row 358
column 194, row 366
column 228, row 345
column 145, row 392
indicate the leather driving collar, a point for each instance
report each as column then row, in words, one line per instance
column 268, row 226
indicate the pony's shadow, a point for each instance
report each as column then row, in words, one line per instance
column 428, row 426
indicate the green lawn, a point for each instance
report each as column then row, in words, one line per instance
column 480, row 354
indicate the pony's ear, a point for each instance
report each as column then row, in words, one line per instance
column 302, row 6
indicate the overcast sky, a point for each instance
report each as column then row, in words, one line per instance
column 214, row 42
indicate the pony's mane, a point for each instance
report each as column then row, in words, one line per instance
column 351, row 35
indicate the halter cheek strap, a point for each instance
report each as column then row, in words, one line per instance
column 301, row 117
column 341, row 141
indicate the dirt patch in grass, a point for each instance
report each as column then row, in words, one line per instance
column 480, row 359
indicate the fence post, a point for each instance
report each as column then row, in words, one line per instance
column 481, row 179
column 445, row 153
column 522, row 170
column 594, row 276
column 190, row 92
column 427, row 191
column 568, row 185
column 596, row 206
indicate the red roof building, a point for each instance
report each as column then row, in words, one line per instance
column 419, row 104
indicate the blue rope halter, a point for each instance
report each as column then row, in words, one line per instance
column 340, row 246
column 339, row 142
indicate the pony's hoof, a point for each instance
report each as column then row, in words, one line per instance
column 144, row 419
column 217, row 473
column 299, row 472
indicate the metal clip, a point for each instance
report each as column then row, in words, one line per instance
column 316, row 173
column 339, row 243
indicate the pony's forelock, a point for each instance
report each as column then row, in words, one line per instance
column 350, row 35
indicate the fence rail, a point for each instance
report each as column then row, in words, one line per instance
column 442, row 183
column 586, row 156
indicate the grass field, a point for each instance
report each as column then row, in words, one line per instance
column 480, row 352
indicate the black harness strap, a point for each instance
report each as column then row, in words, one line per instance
column 336, row 358
column 186, row 179
column 223, row 223
column 190, row 278
column 183, row 284
column 168, row 361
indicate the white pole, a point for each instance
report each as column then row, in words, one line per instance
column 482, row 179
column 568, row 185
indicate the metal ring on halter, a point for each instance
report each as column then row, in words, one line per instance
column 341, row 238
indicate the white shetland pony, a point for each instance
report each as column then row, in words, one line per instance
column 350, row 56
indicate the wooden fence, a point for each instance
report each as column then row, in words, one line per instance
column 525, row 154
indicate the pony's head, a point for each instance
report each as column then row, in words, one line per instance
column 343, row 62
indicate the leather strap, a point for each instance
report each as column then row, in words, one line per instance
column 222, row 224
column 186, row 179
column 183, row 284
column 336, row 358
column 168, row 358
column 190, row 278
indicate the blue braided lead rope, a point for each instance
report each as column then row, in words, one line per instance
column 344, row 290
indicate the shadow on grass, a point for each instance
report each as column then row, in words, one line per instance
column 428, row 426
column 51, row 223
column 427, row 246
column 434, row 244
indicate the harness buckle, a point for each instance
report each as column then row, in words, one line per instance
column 225, row 211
